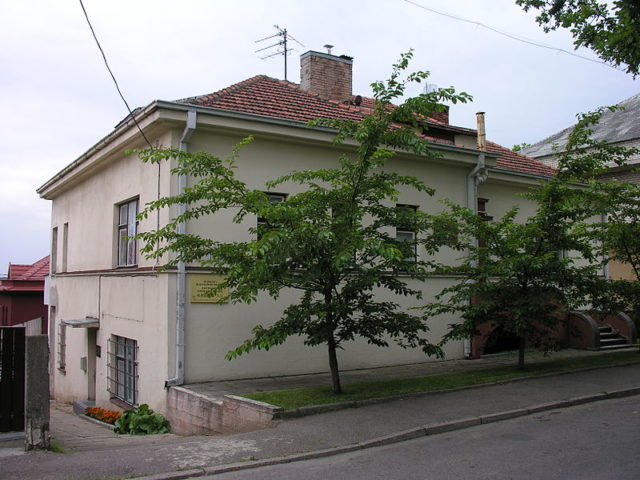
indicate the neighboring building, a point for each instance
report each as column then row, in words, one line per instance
column 125, row 330
column 22, row 296
column 621, row 128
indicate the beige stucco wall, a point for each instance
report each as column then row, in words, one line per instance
column 621, row 271
column 212, row 329
column 503, row 196
column 141, row 305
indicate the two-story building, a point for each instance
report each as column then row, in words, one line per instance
column 125, row 329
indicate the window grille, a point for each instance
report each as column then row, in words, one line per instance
column 62, row 346
column 122, row 369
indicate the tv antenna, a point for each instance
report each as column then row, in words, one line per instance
column 281, row 45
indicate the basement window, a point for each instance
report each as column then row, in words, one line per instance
column 122, row 369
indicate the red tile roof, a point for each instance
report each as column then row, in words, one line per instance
column 270, row 97
column 33, row 272
column 510, row 160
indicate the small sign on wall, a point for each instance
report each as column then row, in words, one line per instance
column 200, row 287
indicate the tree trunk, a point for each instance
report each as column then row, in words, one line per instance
column 523, row 343
column 333, row 364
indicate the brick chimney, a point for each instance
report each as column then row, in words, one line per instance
column 442, row 116
column 327, row 75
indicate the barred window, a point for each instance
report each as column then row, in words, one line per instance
column 122, row 369
column 62, row 345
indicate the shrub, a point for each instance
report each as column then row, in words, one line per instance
column 141, row 421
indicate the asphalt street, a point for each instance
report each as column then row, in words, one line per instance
column 92, row 452
column 596, row 441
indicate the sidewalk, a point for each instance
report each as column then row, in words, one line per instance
column 217, row 390
column 95, row 452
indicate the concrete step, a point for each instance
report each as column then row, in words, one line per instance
column 611, row 335
column 610, row 339
column 617, row 346
column 613, row 340
column 79, row 406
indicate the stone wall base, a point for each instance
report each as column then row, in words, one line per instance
column 192, row 413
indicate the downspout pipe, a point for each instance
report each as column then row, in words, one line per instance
column 606, row 272
column 181, row 276
column 475, row 177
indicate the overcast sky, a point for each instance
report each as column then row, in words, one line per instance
column 57, row 97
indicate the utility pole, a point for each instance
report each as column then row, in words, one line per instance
column 281, row 46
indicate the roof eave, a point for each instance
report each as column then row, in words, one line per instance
column 122, row 127
column 125, row 126
column 300, row 124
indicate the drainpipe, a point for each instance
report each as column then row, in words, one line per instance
column 475, row 177
column 605, row 265
column 181, row 278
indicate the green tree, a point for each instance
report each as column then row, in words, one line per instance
column 611, row 29
column 612, row 204
column 522, row 275
column 514, row 278
column 331, row 242
column 520, row 146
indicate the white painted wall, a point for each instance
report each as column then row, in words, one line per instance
column 141, row 305
column 132, row 304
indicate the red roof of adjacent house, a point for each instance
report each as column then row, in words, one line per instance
column 270, row 97
column 33, row 272
column 511, row 160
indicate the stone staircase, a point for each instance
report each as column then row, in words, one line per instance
column 611, row 339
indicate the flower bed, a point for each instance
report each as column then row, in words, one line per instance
column 106, row 416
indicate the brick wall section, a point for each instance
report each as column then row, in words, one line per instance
column 327, row 75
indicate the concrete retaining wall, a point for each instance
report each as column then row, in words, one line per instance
column 191, row 413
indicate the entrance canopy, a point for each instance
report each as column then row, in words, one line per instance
column 87, row 322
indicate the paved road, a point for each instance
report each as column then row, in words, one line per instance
column 594, row 441
column 101, row 454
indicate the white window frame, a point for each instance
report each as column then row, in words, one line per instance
column 126, row 228
column 407, row 235
column 273, row 198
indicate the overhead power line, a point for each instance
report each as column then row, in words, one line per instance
column 510, row 35
column 104, row 57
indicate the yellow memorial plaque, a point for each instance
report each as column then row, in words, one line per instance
column 200, row 287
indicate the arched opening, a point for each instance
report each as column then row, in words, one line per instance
column 501, row 341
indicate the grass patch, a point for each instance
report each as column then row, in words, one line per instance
column 321, row 395
column 55, row 447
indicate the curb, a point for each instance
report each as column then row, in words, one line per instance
column 96, row 421
column 426, row 430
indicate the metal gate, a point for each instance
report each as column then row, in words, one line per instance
column 12, row 366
